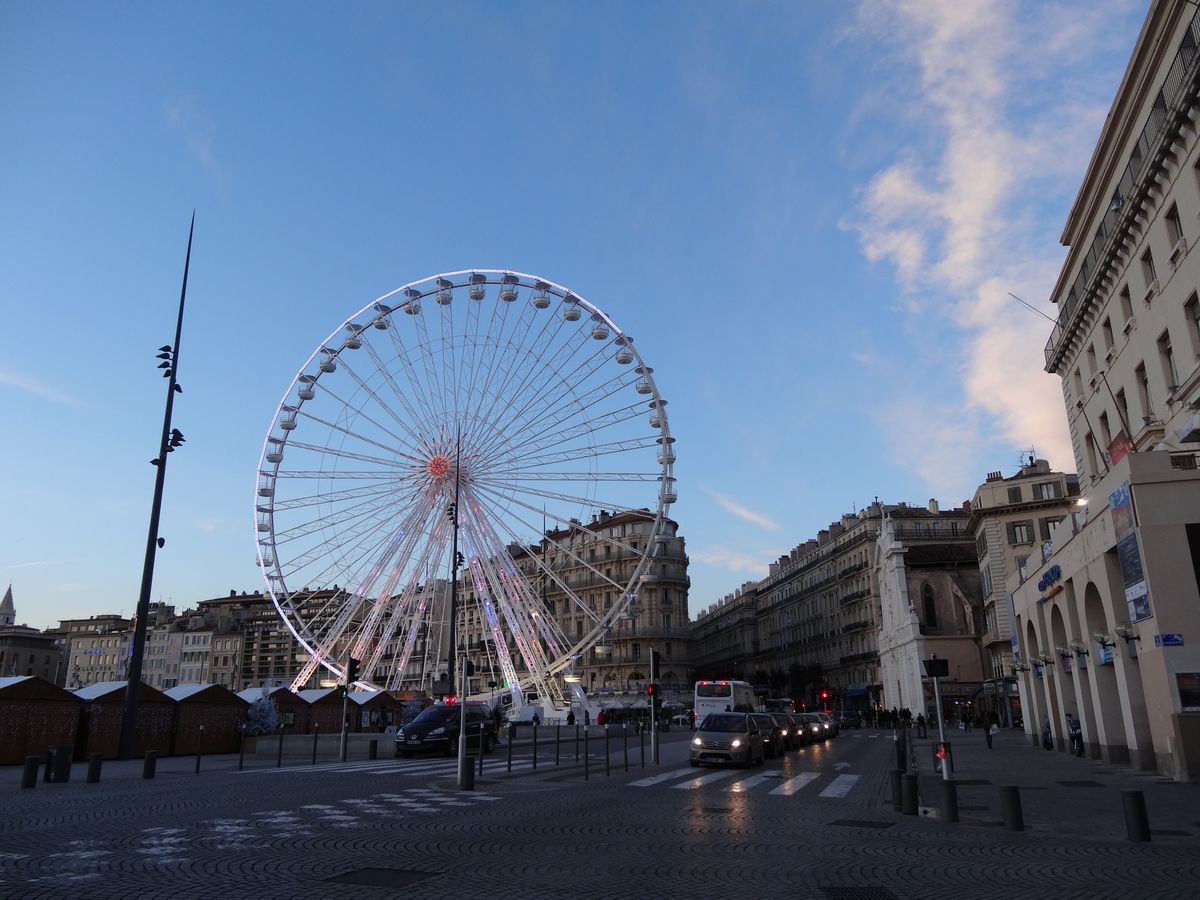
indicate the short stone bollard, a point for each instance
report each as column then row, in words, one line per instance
column 373, row 749
column 94, row 762
column 61, row 755
column 949, row 801
column 30, row 775
column 1137, row 823
column 1010, row 805
column 466, row 773
column 908, row 792
column 150, row 764
column 897, row 798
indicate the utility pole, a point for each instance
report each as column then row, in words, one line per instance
column 170, row 440
column 452, row 512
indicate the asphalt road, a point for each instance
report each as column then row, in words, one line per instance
column 818, row 823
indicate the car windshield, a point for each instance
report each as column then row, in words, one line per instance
column 723, row 722
column 438, row 714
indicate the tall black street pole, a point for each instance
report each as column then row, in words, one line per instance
column 125, row 748
column 451, row 660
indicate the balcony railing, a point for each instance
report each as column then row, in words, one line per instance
column 1167, row 111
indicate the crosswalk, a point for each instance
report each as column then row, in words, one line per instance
column 772, row 782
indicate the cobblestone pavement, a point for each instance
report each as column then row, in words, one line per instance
column 548, row 833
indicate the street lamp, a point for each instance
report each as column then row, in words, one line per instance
column 171, row 439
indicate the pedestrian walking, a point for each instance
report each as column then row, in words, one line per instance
column 571, row 717
column 991, row 731
column 587, row 717
column 1047, row 735
column 920, row 725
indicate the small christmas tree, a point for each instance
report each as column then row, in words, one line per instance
column 262, row 717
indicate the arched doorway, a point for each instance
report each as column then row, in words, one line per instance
column 1110, row 725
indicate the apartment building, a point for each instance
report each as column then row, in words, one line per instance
column 1102, row 623
column 1011, row 520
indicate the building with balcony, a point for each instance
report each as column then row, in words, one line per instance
column 1101, row 621
column 1011, row 520
column 725, row 640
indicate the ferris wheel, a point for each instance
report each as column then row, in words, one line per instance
column 434, row 439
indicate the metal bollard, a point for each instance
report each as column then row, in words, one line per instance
column 949, row 801
column 576, row 743
column 901, row 751
column 94, row 761
column 587, row 756
column 62, row 763
column 29, row 777
column 625, row 742
column 199, row 741
column 316, row 734
column 149, row 763
column 643, row 743
column 48, row 775
column 1137, row 823
column 1010, row 805
column 908, row 794
column 373, row 749
column 607, row 758
column 481, row 755
column 279, row 755
column 535, row 730
column 512, row 733
column 466, row 773
column 897, row 801
column 557, row 737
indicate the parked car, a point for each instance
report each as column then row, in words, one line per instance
column 846, row 719
column 832, row 722
column 436, row 730
column 791, row 730
column 727, row 738
column 772, row 734
column 819, row 729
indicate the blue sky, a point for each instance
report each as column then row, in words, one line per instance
column 809, row 214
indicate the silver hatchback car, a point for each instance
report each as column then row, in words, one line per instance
column 727, row 737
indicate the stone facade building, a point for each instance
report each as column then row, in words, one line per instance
column 1105, row 623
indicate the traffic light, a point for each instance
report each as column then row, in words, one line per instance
column 352, row 671
column 654, row 695
column 655, row 663
column 345, row 691
column 824, row 695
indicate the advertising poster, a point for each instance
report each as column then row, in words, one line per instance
column 1137, row 596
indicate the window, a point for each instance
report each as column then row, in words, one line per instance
column 1167, row 358
column 1148, row 272
column 1044, row 528
column 981, row 546
column 1143, row 386
column 1020, row 532
column 1126, row 303
column 1090, row 448
column 1191, row 312
column 1047, row 490
column 1014, row 494
column 1105, row 432
column 1091, row 359
column 1077, row 380
column 1107, row 330
column 1174, row 226
column 1123, row 406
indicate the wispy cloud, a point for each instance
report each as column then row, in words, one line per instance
column 30, row 386
column 960, row 211
column 186, row 118
column 742, row 512
column 733, row 560
column 46, row 562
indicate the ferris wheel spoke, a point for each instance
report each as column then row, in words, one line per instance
column 535, row 393
column 359, row 436
column 567, row 551
column 338, row 453
column 416, row 387
column 334, row 497
column 576, row 453
column 358, row 412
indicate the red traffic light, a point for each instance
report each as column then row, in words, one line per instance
column 824, row 695
column 650, row 690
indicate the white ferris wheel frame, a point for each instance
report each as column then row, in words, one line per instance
column 488, row 571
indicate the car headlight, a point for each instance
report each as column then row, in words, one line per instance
column 785, row 732
column 735, row 743
column 816, row 729
column 436, row 731
column 696, row 742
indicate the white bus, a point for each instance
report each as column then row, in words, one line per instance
column 722, row 696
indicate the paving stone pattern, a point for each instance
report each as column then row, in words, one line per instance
column 329, row 833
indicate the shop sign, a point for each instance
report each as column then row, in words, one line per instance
column 1168, row 640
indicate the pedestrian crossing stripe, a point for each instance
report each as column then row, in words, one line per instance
column 406, row 767
column 793, row 785
column 835, row 790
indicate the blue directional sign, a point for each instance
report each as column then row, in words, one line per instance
column 1168, row 640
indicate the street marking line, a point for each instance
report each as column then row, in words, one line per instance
column 702, row 780
column 746, row 783
column 655, row 779
column 792, row 785
column 839, row 787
